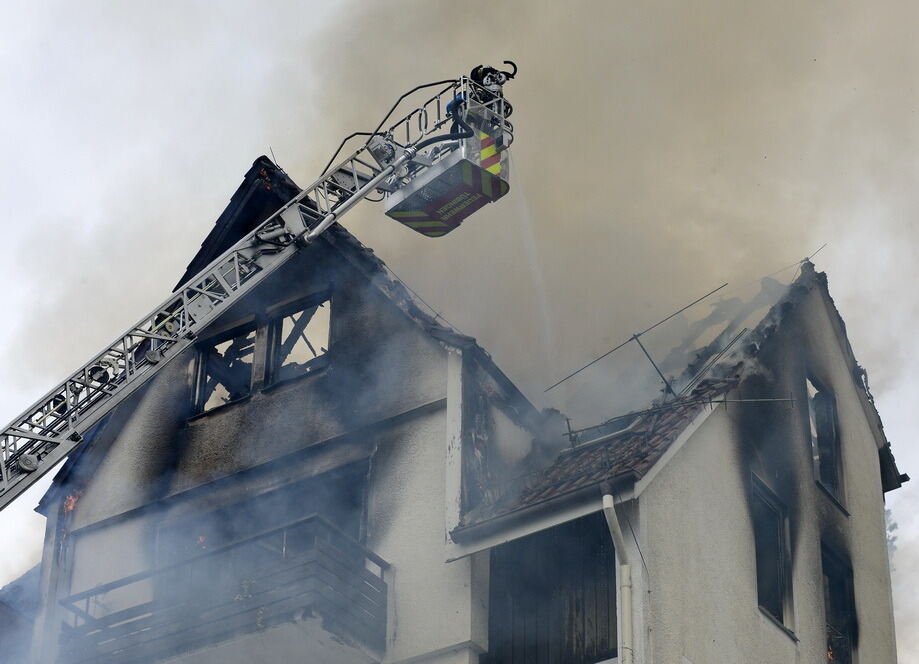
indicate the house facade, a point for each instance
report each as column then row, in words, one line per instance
column 332, row 475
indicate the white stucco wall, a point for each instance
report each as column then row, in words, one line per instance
column 698, row 544
column 438, row 610
column 864, row 531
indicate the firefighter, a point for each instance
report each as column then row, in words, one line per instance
column 492, row 80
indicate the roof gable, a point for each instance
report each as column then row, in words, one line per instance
column 264, row 189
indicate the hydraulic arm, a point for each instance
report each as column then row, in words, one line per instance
column 434, row 167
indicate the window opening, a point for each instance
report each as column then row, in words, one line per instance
column 300, row 340
column 821, row 406
column 839, row 605
column 771, row 551
column 226, row 369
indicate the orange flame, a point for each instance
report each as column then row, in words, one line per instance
column 70, row 502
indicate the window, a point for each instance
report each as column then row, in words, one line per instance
column 839, row 605
column 225, row 369
column 821, row 407
column 300, row 340
column 772, row 557
column 553, row 597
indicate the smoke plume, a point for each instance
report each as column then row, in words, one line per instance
column 662, row 148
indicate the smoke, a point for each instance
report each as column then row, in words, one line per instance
column 663, row 148
column 239, row 562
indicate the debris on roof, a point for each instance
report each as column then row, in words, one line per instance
column 626, row 454
column 627, row 446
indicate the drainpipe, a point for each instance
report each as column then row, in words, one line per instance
column 626, row 649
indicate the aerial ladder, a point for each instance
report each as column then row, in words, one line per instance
column 433, row 168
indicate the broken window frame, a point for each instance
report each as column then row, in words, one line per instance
column 838, row 605
column 204, row 350
column 275, row 329
column 776, row 552
column 823, row 431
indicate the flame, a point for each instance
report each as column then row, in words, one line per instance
column 70, row 502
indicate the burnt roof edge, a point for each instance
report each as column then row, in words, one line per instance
column 891, row 477
column 381, row 278
column 479, row 529
column 385, row 281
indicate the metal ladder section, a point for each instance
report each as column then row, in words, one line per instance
column 54, row 425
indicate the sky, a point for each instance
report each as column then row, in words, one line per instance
column 662, row 148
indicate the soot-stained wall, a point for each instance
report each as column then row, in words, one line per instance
column 380, row 364
column 157, row 461
column 697, row 529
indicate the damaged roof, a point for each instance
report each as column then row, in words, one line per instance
column 264, row 189
column 618, row 458
column 629, row 453
column 621, row 451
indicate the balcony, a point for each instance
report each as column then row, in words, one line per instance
column 306, row 569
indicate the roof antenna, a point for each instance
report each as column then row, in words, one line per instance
column 634, row 337
column 654, row 364
column 807, row 258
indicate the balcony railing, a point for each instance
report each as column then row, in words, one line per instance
column 306, row 567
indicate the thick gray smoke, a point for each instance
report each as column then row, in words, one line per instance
column 662, row 148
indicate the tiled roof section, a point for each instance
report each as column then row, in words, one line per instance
column 633, row 451
column 630, row 453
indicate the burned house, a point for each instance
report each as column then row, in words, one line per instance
column 331, row 475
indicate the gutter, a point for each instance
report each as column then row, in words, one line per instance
column 626, row 631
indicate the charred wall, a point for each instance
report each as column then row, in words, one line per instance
column 160, row 469
column 697, row 513
column 380, row 364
